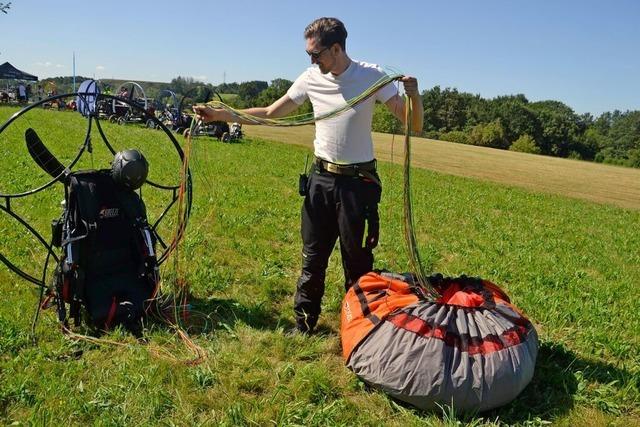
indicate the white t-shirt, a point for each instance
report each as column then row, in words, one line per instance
column 346, row 138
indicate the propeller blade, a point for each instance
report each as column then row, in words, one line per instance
column 42, row 155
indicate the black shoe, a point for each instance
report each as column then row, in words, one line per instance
column 294, row 332
column 299, row 331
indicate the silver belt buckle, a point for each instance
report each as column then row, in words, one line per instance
column 333, row 168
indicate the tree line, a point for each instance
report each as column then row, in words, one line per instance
column 513, row 122
column 508, row 122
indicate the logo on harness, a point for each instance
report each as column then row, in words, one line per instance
column 347, row 311
column 107, row 213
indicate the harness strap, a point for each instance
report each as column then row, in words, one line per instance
column 366, row 170
column 370, row 176
column 364, row 304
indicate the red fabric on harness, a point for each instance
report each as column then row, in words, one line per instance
column 66, row 290
column 112, row 313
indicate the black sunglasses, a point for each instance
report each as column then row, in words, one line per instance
column 316, row 55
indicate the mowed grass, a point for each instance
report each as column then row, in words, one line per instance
column 595, row 182
column 572, row 265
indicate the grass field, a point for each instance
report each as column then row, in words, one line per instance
column 569, row 260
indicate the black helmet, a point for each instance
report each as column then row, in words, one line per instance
column 129, row 169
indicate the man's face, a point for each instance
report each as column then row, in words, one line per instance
column 321, row 55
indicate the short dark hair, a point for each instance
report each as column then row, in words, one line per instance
column 328, row 31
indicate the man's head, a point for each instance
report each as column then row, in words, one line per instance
column 326, row 42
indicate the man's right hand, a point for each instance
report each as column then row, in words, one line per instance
column 206, row 113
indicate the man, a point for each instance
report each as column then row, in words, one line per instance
column 343, row 191
column 22, row 93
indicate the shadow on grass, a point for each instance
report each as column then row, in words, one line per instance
column 213, row 314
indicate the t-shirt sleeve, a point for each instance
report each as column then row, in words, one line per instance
column 387, row 91
column 298, row 90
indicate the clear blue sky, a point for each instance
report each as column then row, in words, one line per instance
column 584, row 53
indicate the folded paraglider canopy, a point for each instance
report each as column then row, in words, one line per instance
column 471, row 347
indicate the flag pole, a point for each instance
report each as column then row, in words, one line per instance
column 74, row 71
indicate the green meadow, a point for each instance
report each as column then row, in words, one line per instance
column 572, row 265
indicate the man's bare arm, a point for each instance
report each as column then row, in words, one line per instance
column 396, row 104
column 280, row 108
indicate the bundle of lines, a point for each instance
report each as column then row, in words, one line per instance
column 309, row 118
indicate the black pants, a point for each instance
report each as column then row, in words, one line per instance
column 335, row 206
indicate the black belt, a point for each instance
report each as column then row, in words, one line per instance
column 352, row 169
column 366, row 169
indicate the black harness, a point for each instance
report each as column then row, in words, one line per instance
column 108, row 263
